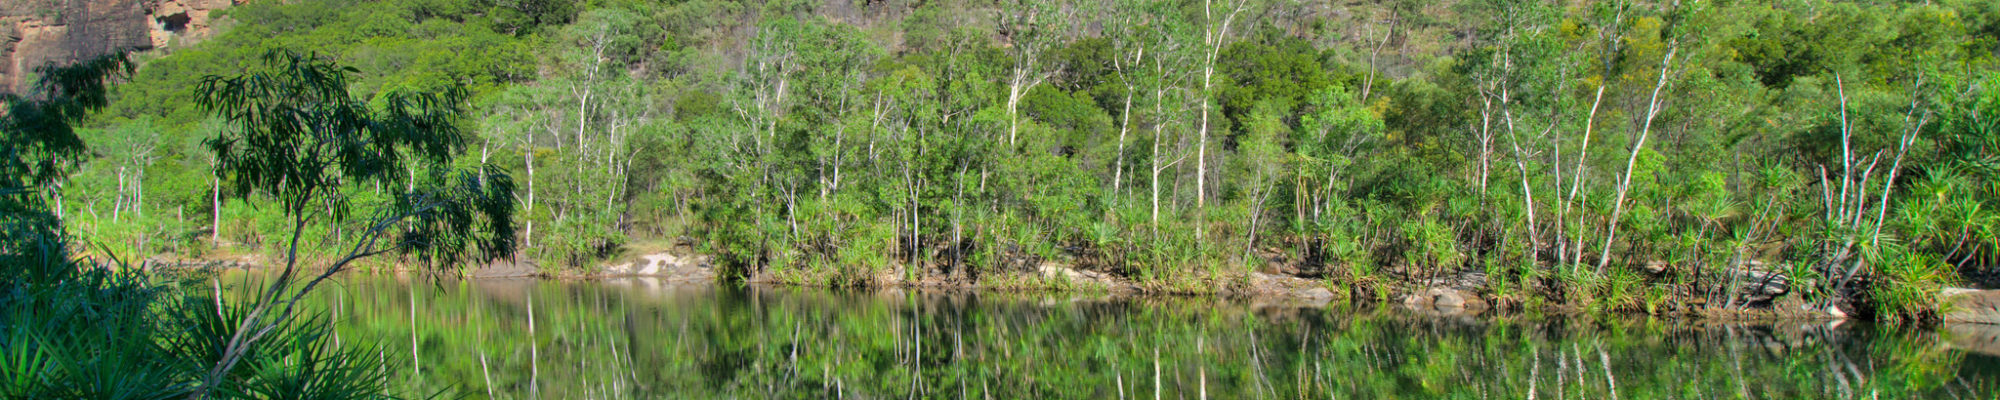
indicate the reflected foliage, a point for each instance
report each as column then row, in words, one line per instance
column 638, row 339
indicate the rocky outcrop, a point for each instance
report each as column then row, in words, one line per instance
column 1445, row 300
column 34, row 33
column 1288, row 290
column 665, row 266
column 1971, row 306
column 185, row 20
column 1075, row 276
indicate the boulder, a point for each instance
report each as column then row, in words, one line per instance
column 1971, row 306
column 1445, row 300
column 1315, row 293
column 664, row 266
column 1417, row 301
column 618, row 269
column 1059, row 271
column 1977, row 338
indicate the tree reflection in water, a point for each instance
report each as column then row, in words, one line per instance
column 645, row 339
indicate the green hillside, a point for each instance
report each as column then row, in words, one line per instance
column 1637, row 156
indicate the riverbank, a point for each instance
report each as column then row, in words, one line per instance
column 1462, row 293
column 1468, row 293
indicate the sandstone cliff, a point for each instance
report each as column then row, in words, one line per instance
column 38, row 32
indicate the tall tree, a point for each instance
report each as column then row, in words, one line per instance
column 298, row 137
column 1216, row 22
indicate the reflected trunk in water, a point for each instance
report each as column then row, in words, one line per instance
column 644, row 339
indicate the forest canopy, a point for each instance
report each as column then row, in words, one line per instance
column 1612, row 154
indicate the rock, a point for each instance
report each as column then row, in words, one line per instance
column 1316, row 293
column 664, row 266
column 182, row 19
column 1066, row 273
column 1464, row 281
column 1058, row 271
column 1655, row 268
column 1445, row 298
column 1417, row 301
column 37, row 33
column 657, row 264
column 1971, row 306
column 618, row 269
column 1978, row 338
column 1767, row 284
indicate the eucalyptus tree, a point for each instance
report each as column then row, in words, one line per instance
column 832, row 127
column 1523, row 88
column 299, row 141
column 1607, row 22
column 914, row 106
column 1123, row 22
column 1151, row 46
column 603, row 105
column 761, row 96
column 516, row 117
column 800, row 116
column 1883, row 103
column 1030, row 28
column 134, row 146
column 105, row 195
column 1653, row 104
column 1261, row 155
column 1216, row 21
column 1167, row 91
column 1337, row 132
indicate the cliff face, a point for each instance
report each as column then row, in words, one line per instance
column 38, row 32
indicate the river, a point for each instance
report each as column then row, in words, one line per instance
column 646, row 339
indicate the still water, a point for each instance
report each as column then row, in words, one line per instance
column 645, row 339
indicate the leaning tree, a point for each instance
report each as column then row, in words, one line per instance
column 297, row 140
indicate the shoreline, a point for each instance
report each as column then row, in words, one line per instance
column 1455, row 295
column 1463, row 293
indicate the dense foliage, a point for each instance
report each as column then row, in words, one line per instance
column 97, row 325
column 1615, row 155
column 87, row 327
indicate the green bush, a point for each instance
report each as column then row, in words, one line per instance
column 106, row 331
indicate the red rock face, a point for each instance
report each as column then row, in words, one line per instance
column 182, row 20
column 40, row 32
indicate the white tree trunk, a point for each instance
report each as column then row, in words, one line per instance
column 118, row 201
column 215, row 214
column 1527, row 191
column 1215, row 37
column 528, row 210
column 1124, row 126
column 1625, row 182
column 57, row 194
column 1576, row 183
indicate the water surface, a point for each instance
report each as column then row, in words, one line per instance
column 644, row 339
